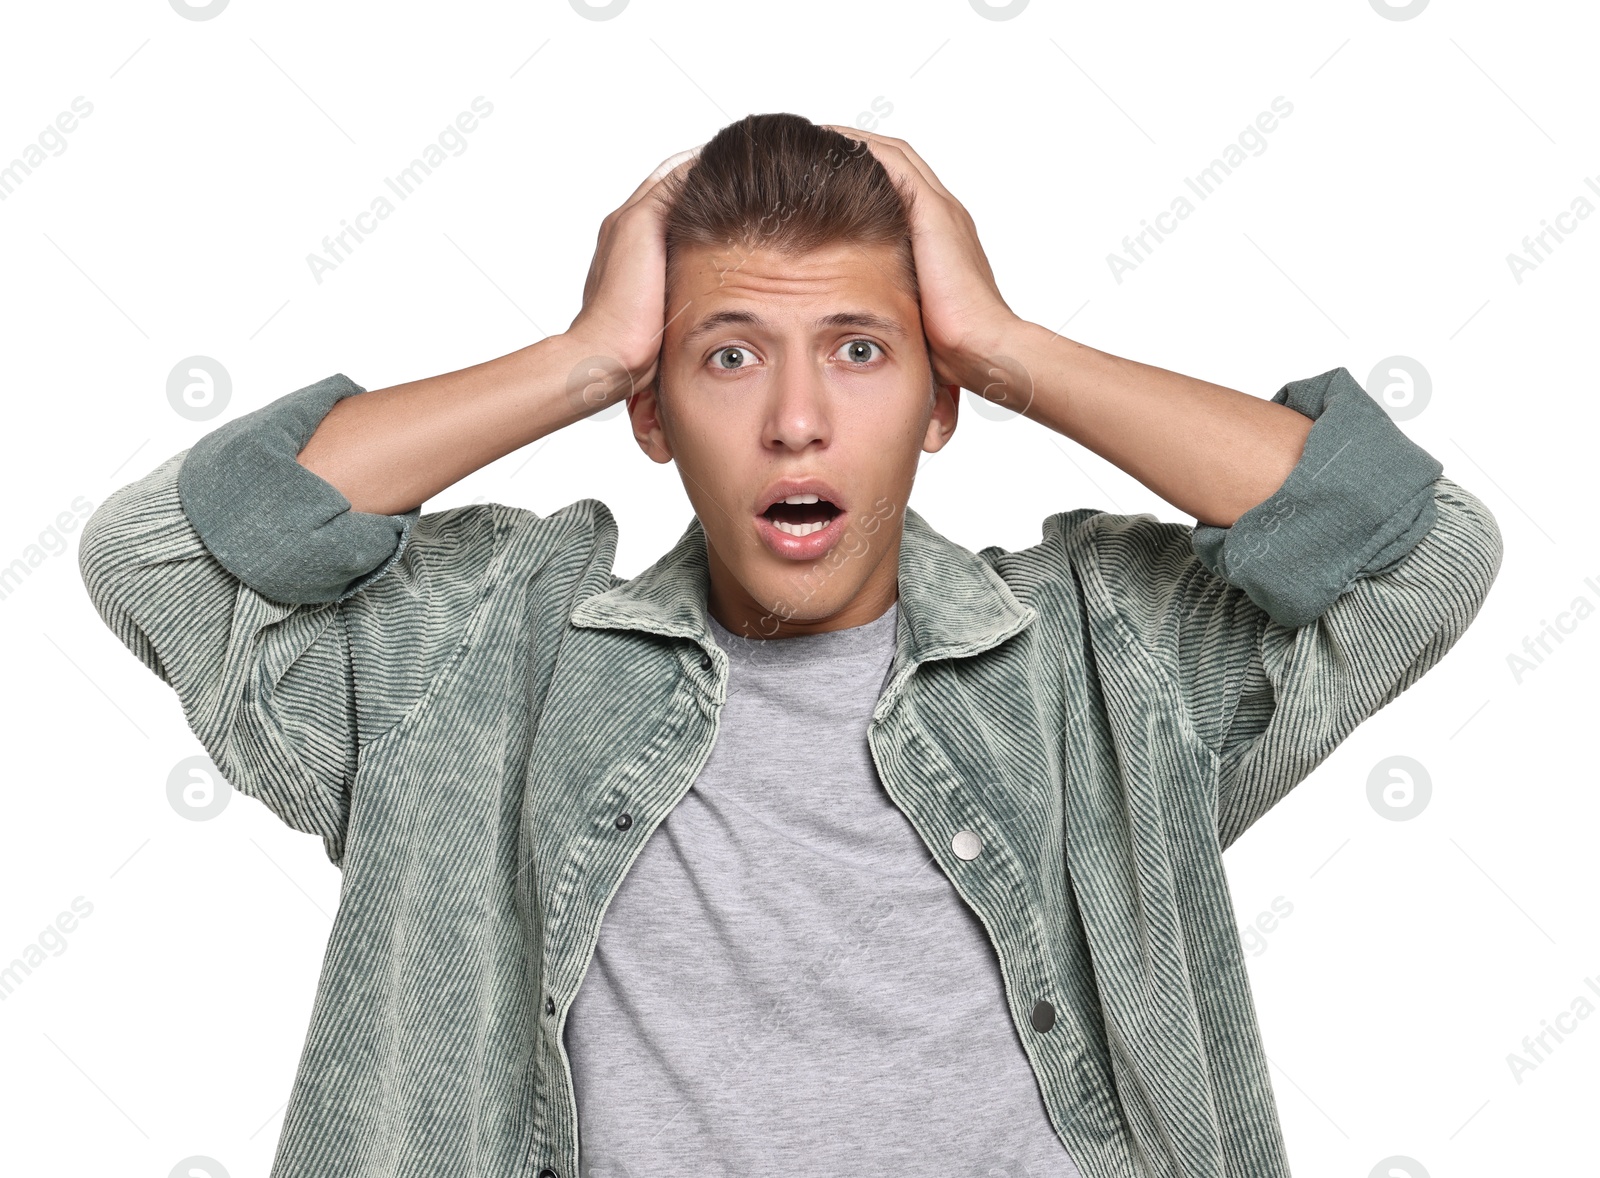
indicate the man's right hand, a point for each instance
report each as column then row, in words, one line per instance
column 624, row 297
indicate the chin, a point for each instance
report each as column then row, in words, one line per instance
column 796, row 606
column 816, row 594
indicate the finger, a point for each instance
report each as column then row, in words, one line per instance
column 664, row 169
column 894, row 162
column 900, row 146
column 667, row 167
column 918, row 162
column 897, row 149
column 906, row 168
column 672, row 161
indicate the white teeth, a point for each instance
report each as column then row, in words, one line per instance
column 798, row 529
column 795, row 529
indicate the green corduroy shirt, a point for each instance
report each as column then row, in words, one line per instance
column 463, row 703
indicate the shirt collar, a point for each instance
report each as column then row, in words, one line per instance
column 952, row 603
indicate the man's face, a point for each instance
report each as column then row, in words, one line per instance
column 796, row 398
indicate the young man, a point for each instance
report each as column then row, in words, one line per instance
column 824, row 846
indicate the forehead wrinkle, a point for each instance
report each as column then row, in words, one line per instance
column 775, row 267
column 755, row 288
column 729, row 317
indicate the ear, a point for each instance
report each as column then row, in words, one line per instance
column 942, row 421
column 644, row 411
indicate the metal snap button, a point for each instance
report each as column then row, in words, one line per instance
column 624, row 821
column 966, row 844
column 1043, row 1017
column 549, row 1004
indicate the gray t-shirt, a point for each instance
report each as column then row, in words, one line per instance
column 785, row 982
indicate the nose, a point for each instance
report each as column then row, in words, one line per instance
column 798, row 415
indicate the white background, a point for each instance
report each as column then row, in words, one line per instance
column 177, row 221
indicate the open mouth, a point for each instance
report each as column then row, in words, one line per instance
column 801, row 515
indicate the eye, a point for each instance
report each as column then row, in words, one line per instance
column 856, row 346
column 731, row 358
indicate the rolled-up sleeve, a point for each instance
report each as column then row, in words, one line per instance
column 279, row 527
column 1358, row 499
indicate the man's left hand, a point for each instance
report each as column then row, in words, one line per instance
column 963, row 315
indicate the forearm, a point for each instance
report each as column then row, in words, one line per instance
column 1211, row 451
column 389, row 450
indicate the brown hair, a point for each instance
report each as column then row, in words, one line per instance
column 781, row 182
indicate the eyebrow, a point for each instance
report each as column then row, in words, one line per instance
column 864, row 320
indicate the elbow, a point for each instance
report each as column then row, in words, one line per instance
column 1474, row 535
column 278, row 527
